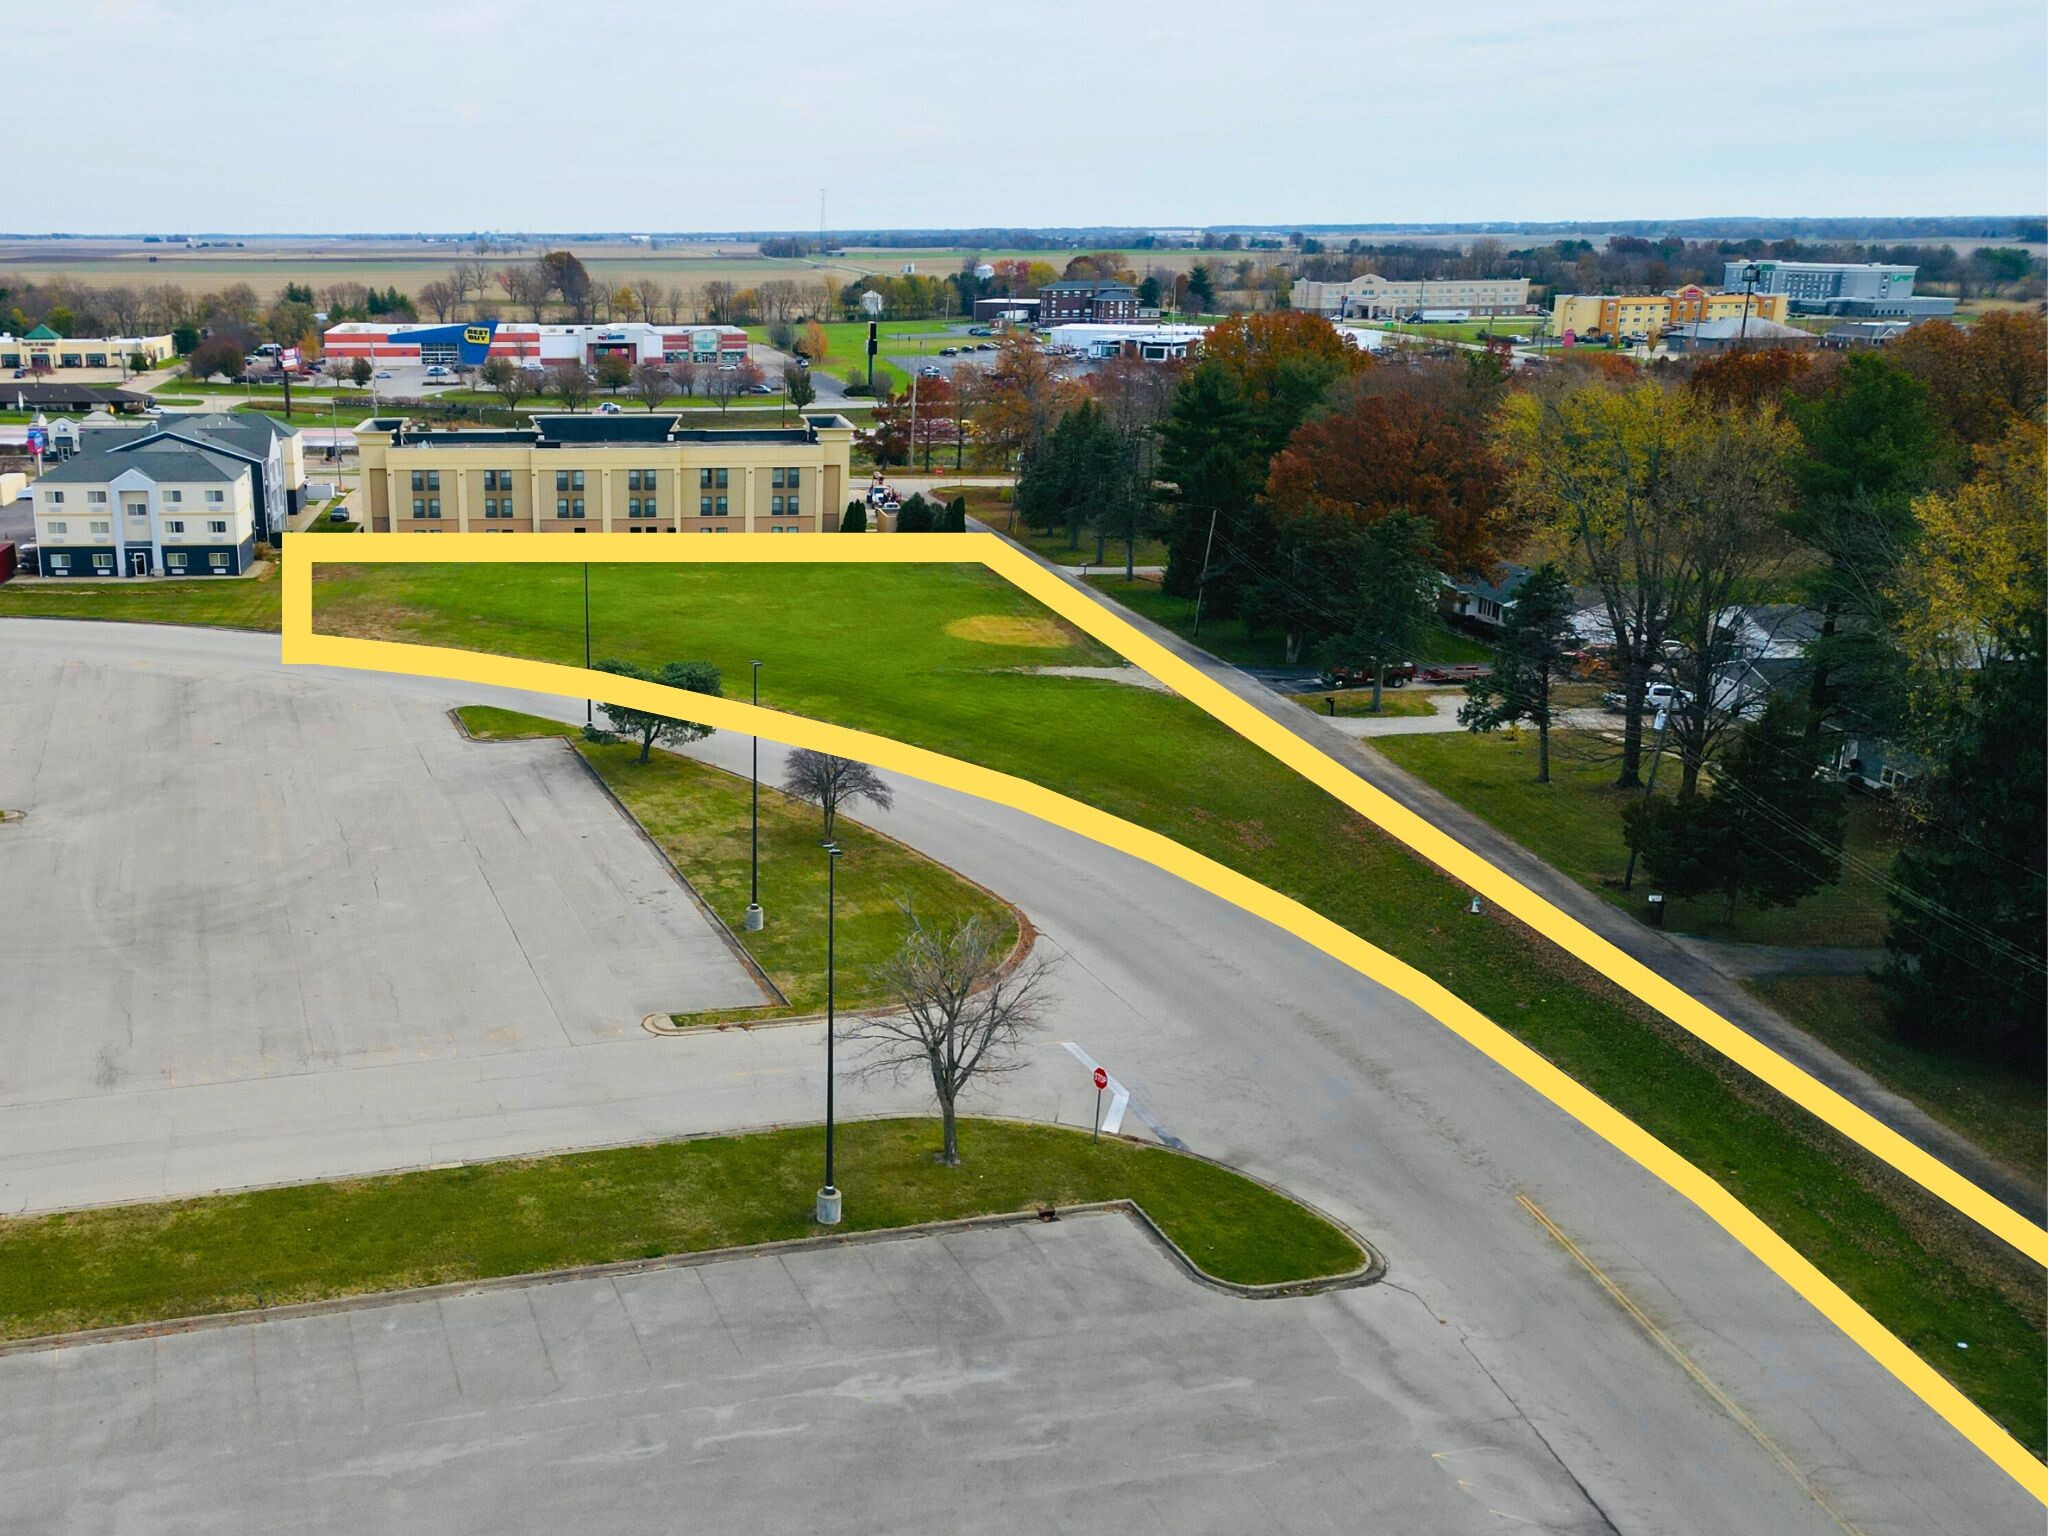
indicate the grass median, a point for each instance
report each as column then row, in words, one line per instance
column 221, row 602
column 314, row 1242
column 936, row 664
column 699, row 816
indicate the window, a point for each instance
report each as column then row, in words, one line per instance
column 60, row 562
column 419, row 506
column 576, row 502
column 174, row 559
column 216, row 498
column 775, row 502
column 56, row 496
column 796, row 476
column 497, row 479
column 95, row 527
column 703, row 506
column 103, row 562
column 561, row 479
column 426, row 479
column 174, row 496
column 721, row 506
column 218, row 559
column 775, row 478
column 60, row 527
column 97, row 498
column 711, row 479
column 219, row 525
column 174, row 525
column 575, row 479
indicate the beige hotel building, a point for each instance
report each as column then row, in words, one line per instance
column 606, row 474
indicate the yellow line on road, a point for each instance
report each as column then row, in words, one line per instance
column 302, row 644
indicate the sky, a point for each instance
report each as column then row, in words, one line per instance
column 457, row 115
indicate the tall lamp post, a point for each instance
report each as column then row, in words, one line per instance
column 828, row 1197
column 589, row 719
column 755, row 917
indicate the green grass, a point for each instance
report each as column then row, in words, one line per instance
column 929, row 669
column 1516, row 328
column 274, row 1247
column 846, row 344
column 994, row 505
column 1574, row 824
column 699, row 816
column 1997, row 1106
column 1395, row 703
column 1228, row 639
column 243, row 602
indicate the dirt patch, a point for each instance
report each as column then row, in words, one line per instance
column 1010, row 629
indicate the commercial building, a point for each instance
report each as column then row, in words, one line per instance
column 534, row 345
column 607, row 474
column 25, row 395
column 1733, row 335
column 42, row 350
column 1086, row 299
column 1371, row 297
column 1652, row 314
column 986, row 310
column 162, row 507
column 1864, row 335
column 1870, row 290
column 1152, row 343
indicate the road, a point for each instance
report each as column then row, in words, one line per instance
column 1248, row 1046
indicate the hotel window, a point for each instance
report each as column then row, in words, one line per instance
column 103, row 562
column 56, row 496
column 703, row 506
column 97, row 497
column 796, row 477
column 497, row 479
column 96, row 527
column 60, row 527
column 419, row 506
column 721, row 506
column 775, row 479
column 573, row 507
column 775, row 504
column 174, row 496
column 215, row 498
column 575, row 479
column 426, row 479
column 218, row 559
column 711, row 480
column 217, row 526
column 174, row 559
column 60, row 562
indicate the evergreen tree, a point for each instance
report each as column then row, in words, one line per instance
column 914, row 515
column 1211, row 469
column 1770, row 830
column 954, row 519
column 649, row 727
column 1536, row 632
column 855, row 519
column 1965, row 964
column 1391, row 603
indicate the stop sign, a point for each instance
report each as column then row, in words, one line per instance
column 1101, row 1079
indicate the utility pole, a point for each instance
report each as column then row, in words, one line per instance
column 1202, row 582
column 828, row 1197
column 589, row 718
column 1663, row 722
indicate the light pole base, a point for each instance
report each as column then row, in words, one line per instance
column 756, row 918
column 828, row 1207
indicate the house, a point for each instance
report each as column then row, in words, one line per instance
column 1482, row 599
column 164, row 507
column 1736, row 336
column 1862, row 335
column 1096, row 300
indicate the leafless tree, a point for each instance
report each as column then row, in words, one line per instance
column 962, row 1014
column 439, row 296
column 165, row 306
column 527, row 285
column 469, row 278
column 725, row 385
column 684, row 371
column 602, row 295
column 719, row 296
column 570, row 383
column 340, row 299
column 652, row 385
column 123, row 308
column 825, row 302
column 779, row 298
column 677, row 299
column 828, row 782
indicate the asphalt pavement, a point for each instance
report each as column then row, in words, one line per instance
column 1246, row 1045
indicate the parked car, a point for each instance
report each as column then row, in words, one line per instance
column 949, row 351
column 383, row 373
column 338, row 515
column 985, row 346
column 763, row 388
column 608, row 407
column 979, row 330
column 1655, row 697
column 931, row 371
column 437, row 372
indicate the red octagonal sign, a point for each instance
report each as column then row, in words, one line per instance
column 1101, row 1079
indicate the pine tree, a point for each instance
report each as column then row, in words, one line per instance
column 1536, row 632
column 855, row 519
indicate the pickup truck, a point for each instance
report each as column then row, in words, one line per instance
column 1359, row 675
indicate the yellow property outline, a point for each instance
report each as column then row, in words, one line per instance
column 301, row 645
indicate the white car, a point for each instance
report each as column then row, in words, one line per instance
column 607, row 407
column 1655, row 697
column 383, row 373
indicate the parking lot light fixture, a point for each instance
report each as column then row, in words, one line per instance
column 828, row 1197
column 755, row 916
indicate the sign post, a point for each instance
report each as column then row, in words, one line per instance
column 1101, row 1082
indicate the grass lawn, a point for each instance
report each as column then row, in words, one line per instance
column 846, row 346
column 1999, row 1107
column 273, row 1247
column 1515, row 328
column 699, row 816
column 240, row 602
column 930, row 667
column 1395, row 703
column 1227, row 637
column 1574, row 823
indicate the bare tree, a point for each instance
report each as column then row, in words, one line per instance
column 963, row 1014
column 467, row 278
column 603, row 297
column 527, row 285
column 570, row 383
column 626, row 300
column 123, row 308
column 652, row 385
column 506, row 377
column 676, row 299
column 719, row 297
column 439, row 296
column 779, row 298
column 828, row 782
column 684, row 371
column 725, row 385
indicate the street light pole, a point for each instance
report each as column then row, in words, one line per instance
column 755, row 917
column 589, row 719
column 828, row 1197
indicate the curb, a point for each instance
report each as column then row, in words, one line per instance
column 1367, row 1274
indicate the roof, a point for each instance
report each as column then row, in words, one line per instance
column 551, row 430
column 1732, row 329
column 1086, row 285
column 83, row 396
column 158, row 459
column 42, row 333
column 1500, row 587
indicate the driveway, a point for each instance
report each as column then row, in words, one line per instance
column 1244, row 1044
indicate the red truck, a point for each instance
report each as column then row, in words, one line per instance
column 1349, row 674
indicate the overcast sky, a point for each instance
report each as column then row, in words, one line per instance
column 696, row 115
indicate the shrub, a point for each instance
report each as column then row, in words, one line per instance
column 856, row 518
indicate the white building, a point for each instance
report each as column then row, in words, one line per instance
column 1153, row 343
column 1371, row 297
column 161, row 508
column 532, row 344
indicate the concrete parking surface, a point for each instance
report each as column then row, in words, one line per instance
column 227, row 877
column 1030, row 1378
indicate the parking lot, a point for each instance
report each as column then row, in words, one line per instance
column 225, row 875
column 1028, row 1378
